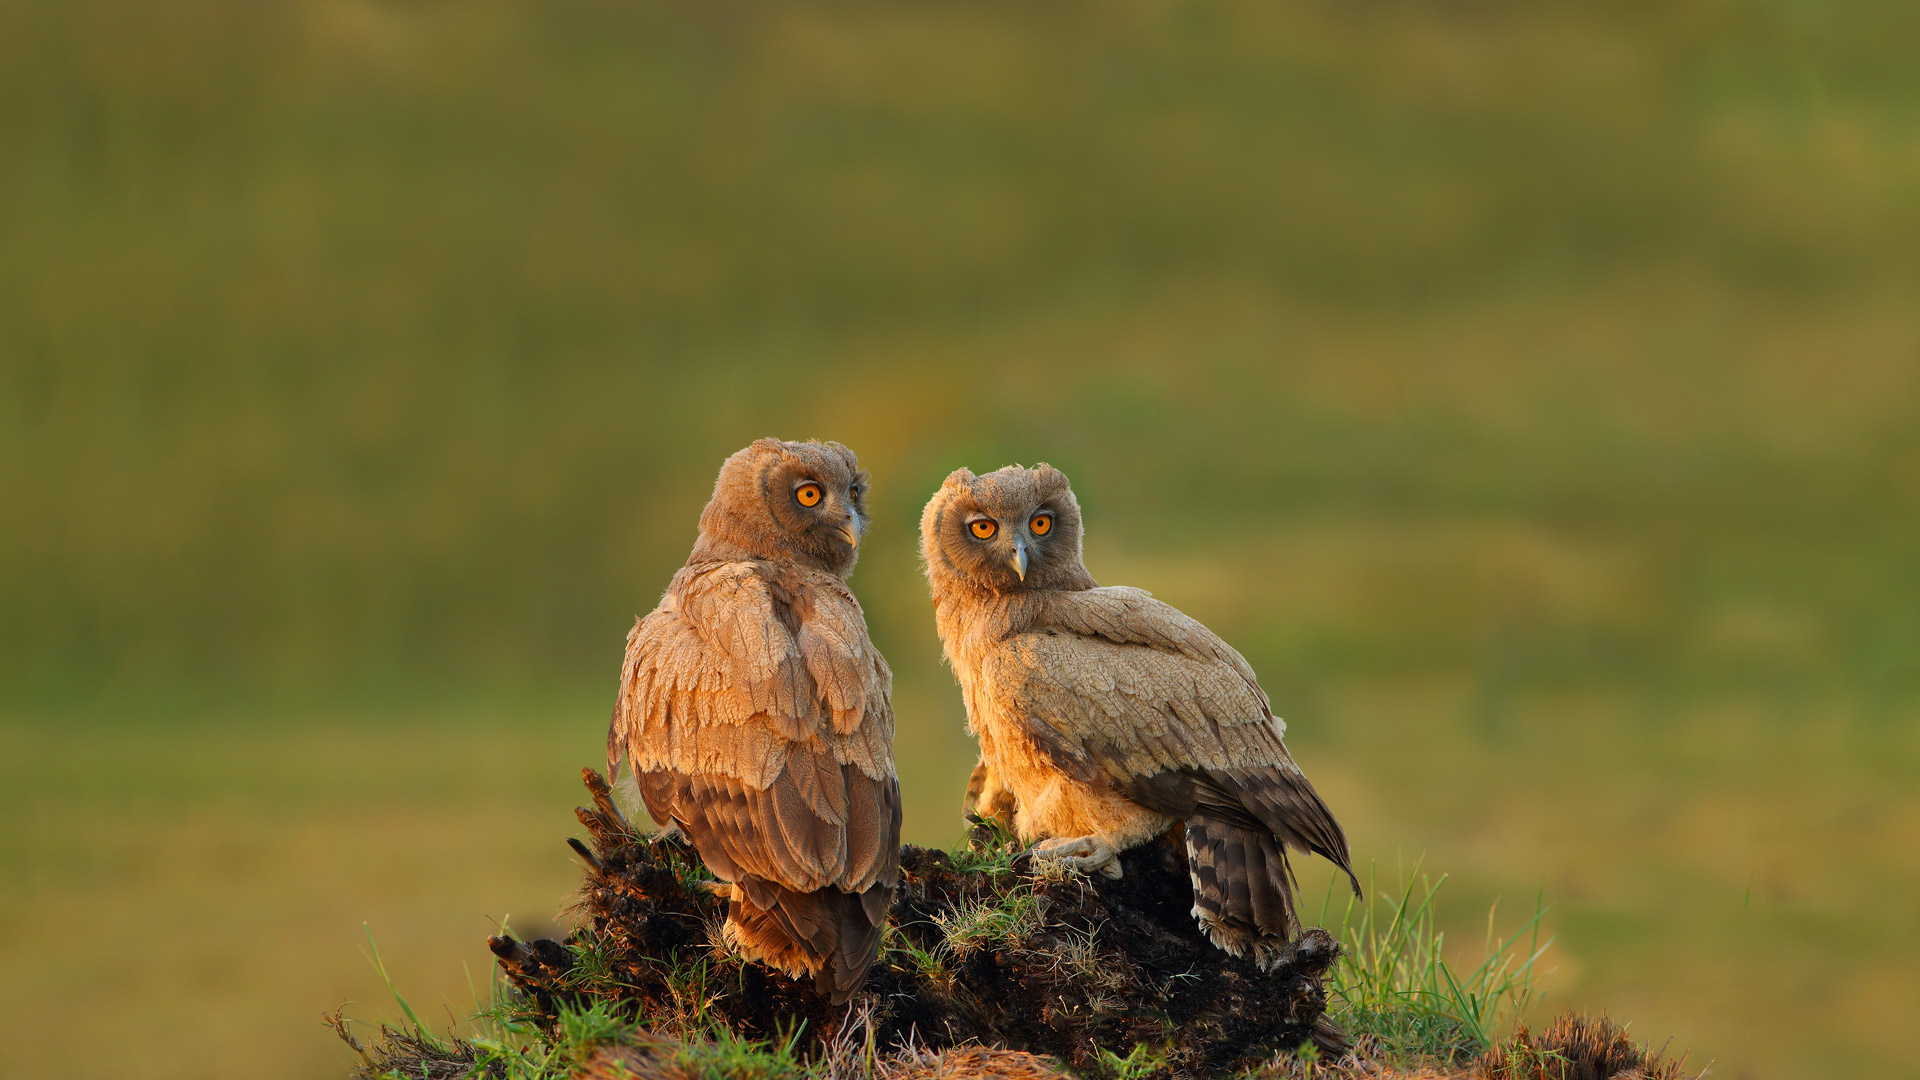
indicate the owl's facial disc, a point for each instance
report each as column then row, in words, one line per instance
column 799, row 501
column 835, row 512
column 1010, row 531
column 987, row 531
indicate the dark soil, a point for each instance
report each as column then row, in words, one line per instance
column 1105, row 965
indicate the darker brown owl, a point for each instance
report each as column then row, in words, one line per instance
column 1105, row 717
column 754, row 713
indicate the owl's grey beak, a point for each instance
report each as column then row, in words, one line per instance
column 1019, row 559
column 850, row 533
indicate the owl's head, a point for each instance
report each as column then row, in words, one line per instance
column 1012, row 530
column 804, row 501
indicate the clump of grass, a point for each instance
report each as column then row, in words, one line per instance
column 1140, row 1062
column 725, row 1055
column 372, row 953
column 504, row 1040
column 990, row 849
column 509, row 1043
column 991, row 920
column 577, row 1032
column 1395, row 988
column 926, row 964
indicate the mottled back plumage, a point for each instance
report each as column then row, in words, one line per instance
column 754, row 713
column 1105, row 717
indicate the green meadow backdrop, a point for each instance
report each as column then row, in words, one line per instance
column 1530, row 391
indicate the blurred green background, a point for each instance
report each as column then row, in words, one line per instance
column 1531, row 391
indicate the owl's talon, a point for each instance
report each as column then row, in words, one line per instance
column 1085, row 854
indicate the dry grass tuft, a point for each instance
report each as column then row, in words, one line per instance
column 647, row 1057
column 1577, row 1047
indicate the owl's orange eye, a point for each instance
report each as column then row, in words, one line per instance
column 808, row 494
column 1042, row 524
column 984, row 529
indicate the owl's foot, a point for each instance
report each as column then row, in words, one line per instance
column 1087, row 854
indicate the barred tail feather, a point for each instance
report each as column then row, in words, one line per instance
column 1242, row 887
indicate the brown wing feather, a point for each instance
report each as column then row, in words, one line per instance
column 1119, row 688
column 754, row 711
column 1128, row 616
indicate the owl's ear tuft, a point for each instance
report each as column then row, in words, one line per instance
column 960, row 478
column 770, row 443
column 1050, row 480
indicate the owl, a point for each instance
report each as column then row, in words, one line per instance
column 1106, row 717
column 754, row 713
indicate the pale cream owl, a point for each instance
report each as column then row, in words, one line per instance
column 1105, row 717
column 754, row 713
